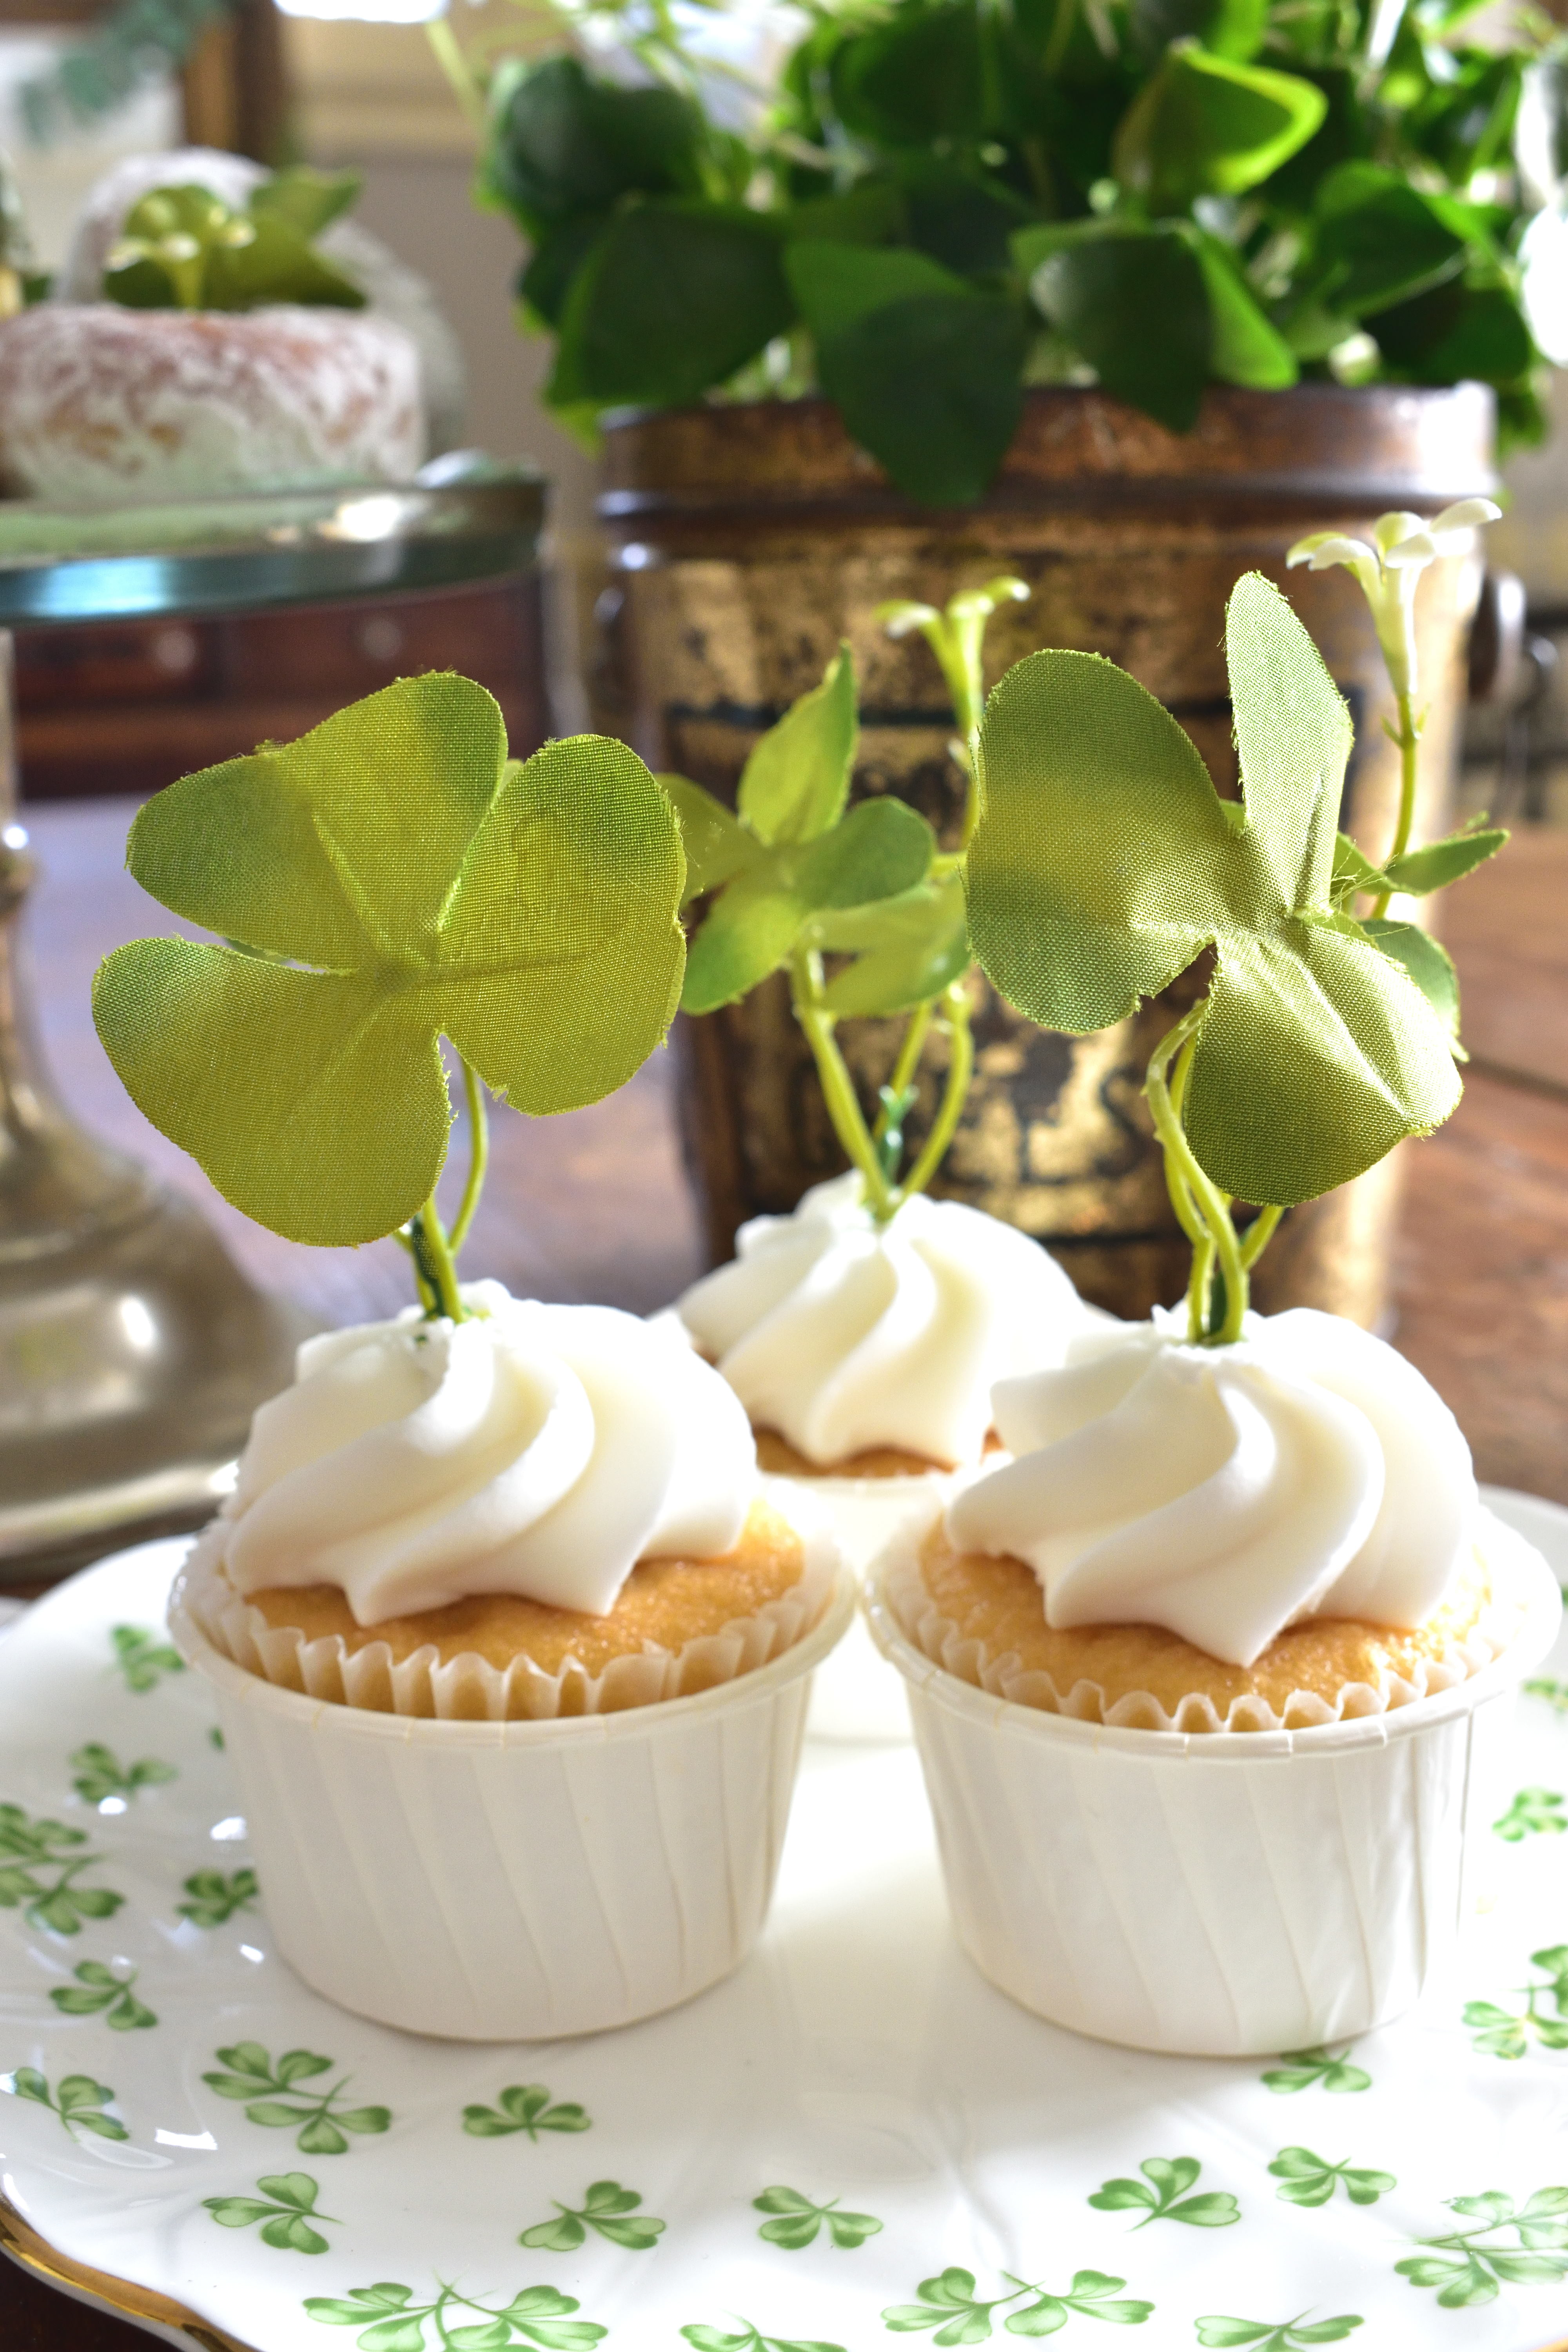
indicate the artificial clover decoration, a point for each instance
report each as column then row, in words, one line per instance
column 391, row 880
column 184, row 248
column 1105, row 864
column 1389, row 572
column 794, row 877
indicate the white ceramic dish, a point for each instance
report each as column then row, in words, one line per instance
column 857, row 2055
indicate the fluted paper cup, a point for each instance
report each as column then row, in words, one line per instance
column 514, row 1881
column 1221, row 1894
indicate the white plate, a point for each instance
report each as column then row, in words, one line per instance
column 855, row 2058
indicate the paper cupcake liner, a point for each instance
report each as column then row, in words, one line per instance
column 1004, row 1677
column 1221, row 1897
column 516, row 1880
column 468, row 1688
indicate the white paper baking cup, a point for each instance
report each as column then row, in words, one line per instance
column 515, row 1881
column 1221, row 1894
column 856, row 1694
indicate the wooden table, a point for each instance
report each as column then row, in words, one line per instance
column 596, row 1205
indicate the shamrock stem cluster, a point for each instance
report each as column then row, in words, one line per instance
column 433, row 1249
column 1222, row 1257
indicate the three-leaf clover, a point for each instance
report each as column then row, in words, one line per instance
column 524, row 2107
column 1505, row 2033
column 1105, row 863
column 97, row 1773
column 1308, row 2179
column 97, row 1990
column 250, row 2076
column 214, row 1897
column 1300, row 2070
column 1532, row 1810
column 28, row 1848
column 1276, row 2335
column 797, row 2221
column 607, row 2209
column 393, row 879
column 949, row 2305
column 1466, row 2271
column 537, row 2316
column 788, row 865
column 1161, row 2196
column 79, row 2102
column 142, row 1658
column 285, row 2209
column 750, row 2339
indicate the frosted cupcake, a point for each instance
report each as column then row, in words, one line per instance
column 864, row 1333
column 1208, row 1675
column 509, row 1650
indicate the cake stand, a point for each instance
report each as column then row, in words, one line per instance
column 133, row 1350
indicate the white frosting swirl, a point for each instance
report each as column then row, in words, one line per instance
column 1225, row 1493
column 529, row 1449
column 842, row 1334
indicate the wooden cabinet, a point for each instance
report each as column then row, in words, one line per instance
column 126, row 707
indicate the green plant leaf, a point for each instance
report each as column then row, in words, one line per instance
column 674, row 297
column 1438, row 863
column 309, row 200
column 214, row 1899
column 142, row 1658
column 1245, row 346
column 1134, row 303
column 1042, row 2317
column 1426, row 960
column 716, row 842
column 1205, row 125
column 1380, row 239
column 561, row 2236
column 183, row 247
column 1119, row 2195
column 795, row 781
column 1316, row 1054
column 527, row 912
column 926, row 370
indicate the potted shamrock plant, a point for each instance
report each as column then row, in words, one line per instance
column 1196, row 1673
column 1117, row 302
column 463, row 1531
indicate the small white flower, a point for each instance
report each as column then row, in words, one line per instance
column 1389, row 569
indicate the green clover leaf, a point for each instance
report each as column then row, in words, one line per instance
column 799, row 2222
column 524, row 2107
column 285, row 2209
column 1532, row 1810
column 794, row 869
column 97, row 1773
column 98, row 1991
column 393, row 879
column 1105, row 862
column 1167, row 2199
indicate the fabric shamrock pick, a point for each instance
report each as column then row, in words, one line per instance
column 1105, row 863
column 390, row 879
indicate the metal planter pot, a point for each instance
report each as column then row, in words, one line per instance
column 747, row 541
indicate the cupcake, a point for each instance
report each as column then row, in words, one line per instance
column 511, row 1648
column 1207, row 1676
column 865, row 1331
column 211, row 348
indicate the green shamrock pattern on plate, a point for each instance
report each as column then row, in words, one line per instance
column 286, row 2210
column 100, row 1991
column 1534, row 1811
column 143, row 1657
column 950, row 2305
column 524, row 2107
column 98, row 1774
column 1469, row 2266
column 392, row 2321
column 1305, row 2070
column 272, row 2098
column 609, row 2211
column 27, row 1849
column 1506, row 2032
column 1308, row 2179
column 1544, row 1686
column 750, row 2339
column 1161, row 2196
column 797, row 2221
column 79, row 2102
column 212, row 1898
column 1276, row 2335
